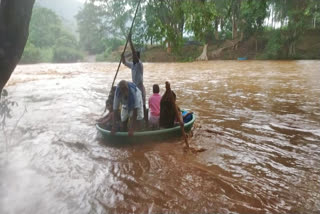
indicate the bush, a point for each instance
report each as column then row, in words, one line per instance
column 100, row 58
column 31, row 54
column 66, row 54
column 113, row 44
column 275, row 46
column 46, row 54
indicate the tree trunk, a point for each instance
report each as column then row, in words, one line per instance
column 221, row 24
column 203, row 56
column 256, row 41
column 216, row 32
column 168, row 47
column 241, row 36
column 216, row 35
column 234, row 28
column 15, row 16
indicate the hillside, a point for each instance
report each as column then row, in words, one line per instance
column 65, row 9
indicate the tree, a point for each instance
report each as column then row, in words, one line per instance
column 66, row 49
column 296, row 13
column 31, row 54
column 14, row 30
column 166, row 19
column 45, row 27
column 201, row 20
column 107, row 20
column 90, row 28
column 47, row 35
column 253, row 14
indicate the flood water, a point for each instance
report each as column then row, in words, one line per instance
column 259, row 122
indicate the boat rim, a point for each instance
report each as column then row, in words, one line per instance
column 144, row 133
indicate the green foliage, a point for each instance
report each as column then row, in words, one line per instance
column 200, row 18
column 90, row 24
column 66, row 54
column 46, row 54
column 48, row 39
column 274, row 47
column 101, row 21
column 113, row 43
column 103, row 26
column 31, row 54
column 66, row 40
column 45, row 27
column 66, row 49
column 165, row 19
column 253, row 13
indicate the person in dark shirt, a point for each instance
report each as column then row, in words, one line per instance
column 169, row 112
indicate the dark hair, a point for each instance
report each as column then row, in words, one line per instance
column 156, row 88
column 109, row 101
column 138, row 54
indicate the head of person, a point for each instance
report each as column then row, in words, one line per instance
column 156, row 89
column 124, row 88
column 109, row 101
column 168, row 88
column 170, row 94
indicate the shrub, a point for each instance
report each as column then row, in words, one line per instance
column 31, row 54
column 66, row 54
column 275, row 46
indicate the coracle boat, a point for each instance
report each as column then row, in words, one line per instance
column 242, row 58
column 152, row 135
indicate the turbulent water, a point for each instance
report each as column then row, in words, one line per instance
column 259, row 122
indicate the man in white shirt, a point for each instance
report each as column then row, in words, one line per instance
column 129, row 96
column 136, row 67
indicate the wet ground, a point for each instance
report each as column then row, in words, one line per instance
column 259, row 122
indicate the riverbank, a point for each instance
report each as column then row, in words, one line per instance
column 254, row 48
column 269, row 46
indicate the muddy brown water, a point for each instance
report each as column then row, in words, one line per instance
column 258, row 120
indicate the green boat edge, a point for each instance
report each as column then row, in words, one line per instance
column 156, row 135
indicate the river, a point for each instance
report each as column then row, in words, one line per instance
column 259, row 122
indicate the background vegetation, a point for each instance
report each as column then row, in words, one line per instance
column 264, row 29
column 49, row 41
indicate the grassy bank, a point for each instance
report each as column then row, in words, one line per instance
column 268, row 46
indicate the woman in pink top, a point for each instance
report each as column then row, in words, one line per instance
column 154, row 107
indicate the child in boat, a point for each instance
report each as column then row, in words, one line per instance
column 154, row 107
column 169, row 112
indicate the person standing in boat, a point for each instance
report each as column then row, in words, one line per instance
column 136, row 67
column 129, row 96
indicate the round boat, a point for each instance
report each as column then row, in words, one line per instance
column 154, row 135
